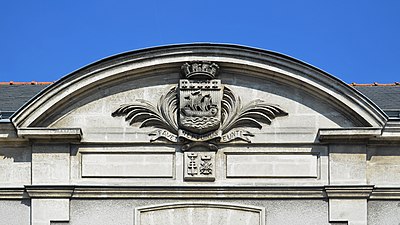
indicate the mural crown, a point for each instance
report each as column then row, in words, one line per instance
column 200, row 70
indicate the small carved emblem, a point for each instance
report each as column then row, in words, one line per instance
column 200, row 110
column 192, row 165
column 199, row 166
column 206, row 165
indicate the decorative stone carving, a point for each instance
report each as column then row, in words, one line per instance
column 161, row 116
column 207, row 111
column 199, row 166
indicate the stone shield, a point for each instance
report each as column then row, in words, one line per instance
column 200, row 105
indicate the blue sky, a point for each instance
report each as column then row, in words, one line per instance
column 357, row 41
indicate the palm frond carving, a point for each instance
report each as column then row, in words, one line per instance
column 253, row 114
column 163, row 116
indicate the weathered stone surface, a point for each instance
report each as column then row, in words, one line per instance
column 383, row 165
column 127, row 165
column 15, row 212
column 352, row 211
column 307, row 113
column 289, row 166
column 45, row 211
column 348, row 164
column 50, row 164
column 310, row 212
column 383, row 212
column 15, row 166
column 156, row 137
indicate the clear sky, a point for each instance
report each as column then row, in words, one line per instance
column 355, row 40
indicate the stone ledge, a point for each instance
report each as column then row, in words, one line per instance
column 100, row 192
column 50, row 133
column 35, row 191
column 390, row 193
column 340, row 134
column 336, row 191
column 12, row 193
column 391, row 131
column 203, row 192
column 97, row 192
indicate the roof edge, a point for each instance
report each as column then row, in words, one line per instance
column 167, row 51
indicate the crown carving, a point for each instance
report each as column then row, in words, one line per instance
column 200, row 70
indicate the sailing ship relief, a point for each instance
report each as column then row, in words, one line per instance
column 200, row 104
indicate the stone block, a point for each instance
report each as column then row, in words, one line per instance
column 128, row 165
column 50, row 164
column 383, row 212
column 383, row 166
column 348, row 164
column 15, row 166
column 269, row 165
column 14, row 212
column 44, row 211
column 353, row 211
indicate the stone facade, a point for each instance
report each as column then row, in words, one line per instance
column 199, row 134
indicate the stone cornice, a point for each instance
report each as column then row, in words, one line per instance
column 201, row 192
column 49, row 191
column 346, row 134
column 12, row 193
column 382, row 193
column 43, row 133
column 337, row 191
column 255, row 61
column 391, row 131
column 111, row 192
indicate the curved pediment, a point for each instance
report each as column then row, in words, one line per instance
column 284, row 96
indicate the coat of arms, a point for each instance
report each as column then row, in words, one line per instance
column 200, row 110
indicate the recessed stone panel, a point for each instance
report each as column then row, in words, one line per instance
column 271, row 165
column 199, row 214
column 128, row 165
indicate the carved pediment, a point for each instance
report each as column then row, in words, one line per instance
column 200, row 109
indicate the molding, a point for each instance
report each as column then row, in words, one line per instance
column 173, row 192
column 50, row 133
column 346, row 134
column 8, row 133
column 12, row 193
column 256, row 62
column 386, row 193
column 391, row 131
column 111, row 192
column 351, row 192
column 200, row 192
column 49, row 191
column 260, row 211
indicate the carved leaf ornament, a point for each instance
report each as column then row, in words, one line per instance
column 200, row 109
column 162, row 116
column 235, row 115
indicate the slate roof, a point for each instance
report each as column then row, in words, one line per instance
column 386, row 96
column 14, row 94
